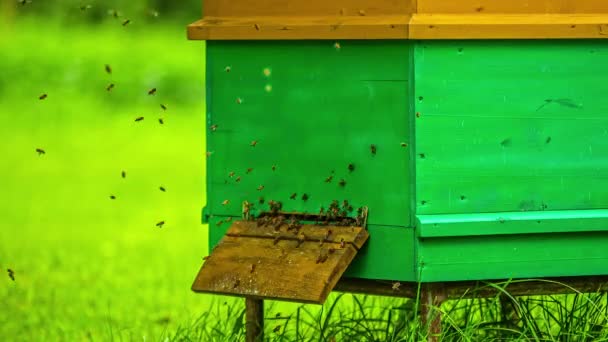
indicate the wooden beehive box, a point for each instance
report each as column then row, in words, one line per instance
column 475, row 131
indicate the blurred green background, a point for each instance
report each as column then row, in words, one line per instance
column 88, row 267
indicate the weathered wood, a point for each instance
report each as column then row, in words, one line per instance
column 293, row 268
column 254, row 324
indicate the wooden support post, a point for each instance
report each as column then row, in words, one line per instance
column 431, row 298
column 254, row 309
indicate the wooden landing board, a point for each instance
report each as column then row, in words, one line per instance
column 249, row 261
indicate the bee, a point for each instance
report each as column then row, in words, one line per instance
column 321, row 242
column 213, row 128
column 301, row 239
column 162, row 189
column 123, row 174
column 257, row 27
column 11, row 274
column 227, row 69
column 114, row 13
column 126, row 22
column 351, row 167
column 231, row 174
column 276, row 329
column 161, row 121
column 209, row 153
column 323, row 255
column 153, row 13
column 328, row 234
column 342, row 183
column 396, row 286
column 254, row 143
column 361, row 12
column 251, row 268
column 205, row 258
column 110, row 87
column 108, row 69
column 278, row 315
column 261, row 200
column 238, row 179
column 337, row 46
column 219, row 223
column 331, row 250
column 112, row 197
column 260, row 188
column 342, row 243
column 163, row 107
column 228, row 219
column 305, row 197
column 160, row 224
column 24, row 2
column 138, row 119
column 373, row 149
column 43, row 96
column 249, row 170
column 226, row 202
column 152, row 91
column 274, row 167
column 239, row 100
column 293, row 196
column 403, row 144
column 85, row 7
column 40, row 151
column 329, row 179
column 236, row 284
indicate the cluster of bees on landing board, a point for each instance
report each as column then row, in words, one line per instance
column 108, row 69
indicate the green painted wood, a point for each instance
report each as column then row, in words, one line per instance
column 511, row 126
column 313, row 109
column 513, row 256
column 547, row 222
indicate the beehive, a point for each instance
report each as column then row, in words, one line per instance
column 475, row 131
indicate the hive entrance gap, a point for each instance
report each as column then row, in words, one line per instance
column 301, row 264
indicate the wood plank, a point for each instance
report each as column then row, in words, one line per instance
column 263, row 268
column 249, row 8
column 289, row 28
column 513, row 6
column 508, row 26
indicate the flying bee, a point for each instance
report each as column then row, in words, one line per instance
column 126, row 22
column 213, row 128
column 114, row 13
column 162, row 188
column 160, row 224
column 342, row 183
column 251, row 268
column 209, row 153
column 238, row 179
column 396, row 286
column 225, row 202
column 138, row 119
column 236, row 284
column 24, row 2
column 161, row 121
column 152, row 91
column 305, row 197
column 351, row 167
column 219, row 223
column 231, row 174
column 274, row 167
column 261, row 200
column 43, row 96
column 112, row 197
column 373, row 149
column 239, row 100
column 337, row 46
column 110, row 87
column 249, row 170
column 260, row 188
column 403, row 144
column 254, row 143
column 108, row 69
column 329, row 179
column 276, row 329
column 123, row 174
column 361, row 12
column 40, row 151
column 163, row 107
column 85, row 7
column 11, row 274
column 278, row 315
column 228, row 219
column 293, row 196
column 227, row 69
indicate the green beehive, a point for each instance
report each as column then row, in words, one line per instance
column 475, row 132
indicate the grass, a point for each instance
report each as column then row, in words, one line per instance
column 91, row 269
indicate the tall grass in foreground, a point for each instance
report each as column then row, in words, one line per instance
column 572, row 317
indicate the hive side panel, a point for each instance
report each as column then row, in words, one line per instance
column 511, row 126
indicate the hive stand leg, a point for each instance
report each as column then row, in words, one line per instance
column 254, row 315
column 432, row 296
